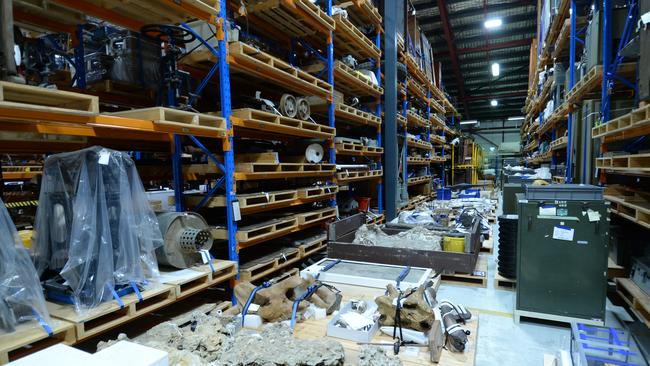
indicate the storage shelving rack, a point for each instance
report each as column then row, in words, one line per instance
column 364, row 122
column 430, row 123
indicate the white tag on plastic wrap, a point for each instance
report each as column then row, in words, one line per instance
column 253, row 308
column 205, row 255
column 235, row 210
column 104, row 156
column 563, row 233
column 594, row 216
column 411, row 351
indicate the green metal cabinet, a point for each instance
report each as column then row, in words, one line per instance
column 562, row 260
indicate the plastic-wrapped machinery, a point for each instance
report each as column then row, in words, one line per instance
column 95, row 231
column 21, row 294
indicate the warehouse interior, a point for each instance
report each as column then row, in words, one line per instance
column 324, row 182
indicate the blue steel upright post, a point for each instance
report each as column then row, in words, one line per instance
column 330, row 80
column 572, row 62
column 380, row 208
column 228, row 145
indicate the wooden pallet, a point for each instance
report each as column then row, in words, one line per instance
column 175, row 117
column 503, row 283
column 437, row 122
column 264, row 121
column 250, row 60
column 316, row 191
column 298, row 18
column 351, row 82
column 633, row 208
column 356, row 175
column 559, row 143
column 630, row 163
column 438, row 159
column 488, row 244
column 344, row 148
column 189, row 281
column 34, row 98
column 350, row 40
column 344, row 112
column 437, row 139
column 558, row 179
column 539, row 103
column 30, row 337
column 364, row 11
column 413, row 142
column 592, row 81
column 316, row 216
column 401, row 120
column 559, row 114
column 264, row 266
column 255, row 171
column 416, row 89
column 377, row 220
column 436, row 106
column 417, row 120
column 313, row 246
column 265, row 230
column 477, row 278
column 419, row 180
column 417, row 160
column 635, row 120
column 561, row 45
column 95, row 321
column 637, row 299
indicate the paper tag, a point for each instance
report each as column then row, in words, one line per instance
column 235, row 210
column 253, row 308
column 563, row 233
column 104, row 156
column 205, row 256
column 547, row 210
column 594, row 216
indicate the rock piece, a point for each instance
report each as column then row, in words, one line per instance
column 415, row 313
column 277, row 346
column 276, row 301
column 377, row 356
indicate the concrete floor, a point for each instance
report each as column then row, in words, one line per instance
column 502, row 342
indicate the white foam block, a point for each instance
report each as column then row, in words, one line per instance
column 59, row 355
column 133, row 354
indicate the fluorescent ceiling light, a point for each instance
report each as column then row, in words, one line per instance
column 493, row 23
column 516, row 118
column 494, row 102
column 470, row 122
column 492, row 148
column 495, row 69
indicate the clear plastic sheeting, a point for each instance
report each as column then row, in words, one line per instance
column 21, row 295
column 417, row 238
column 94, row 226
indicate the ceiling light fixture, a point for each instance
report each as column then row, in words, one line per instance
column 494, row 103
column 521, row 118
column 469, row 122
column 495, row 69
column 493, row 23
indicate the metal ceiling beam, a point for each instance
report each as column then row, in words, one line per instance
column 472, row 57
column 527, row 31
column 530, row 16
column 490, row 47
column 497, row 95
column 474, row 11
column 449, row 37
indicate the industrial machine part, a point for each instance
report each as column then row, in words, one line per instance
column 303, row 111
column 288, row 105
column 186, row 235
column 21, row 295
column 350, row 61
column 175, row 88
column 94, row 226
column 562, row 249
column 640, row 273
column 507, row 260
column 644, row 51
column 314, row 153
column 452, row 318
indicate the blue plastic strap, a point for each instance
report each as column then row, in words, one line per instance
column 210, row 262
column 137, row 290
column 43, row 323
column 115, row 296
column 250, row 299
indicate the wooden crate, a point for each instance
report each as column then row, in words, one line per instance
column 350, row 40
column 477, row 278
column 30, row 337
column 270, row 122
column 358, row 175
column 29, row 97
column 351, row 82
column 315, row 216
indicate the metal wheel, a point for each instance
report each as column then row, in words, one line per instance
column 304, row 111
column 288, row 105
